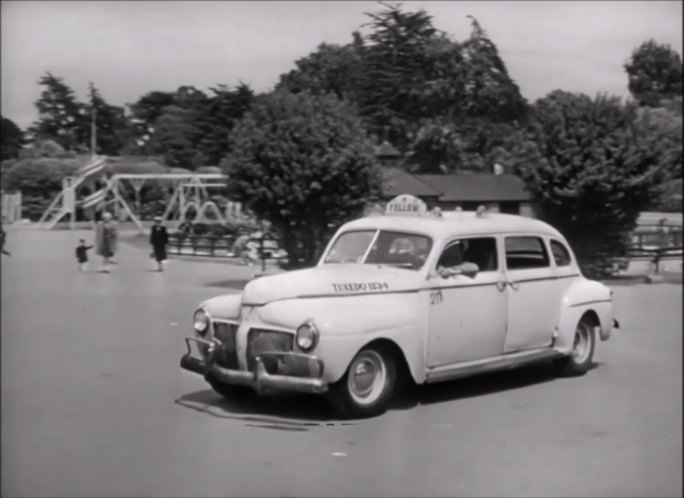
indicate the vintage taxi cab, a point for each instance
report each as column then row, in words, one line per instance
column 430, row 295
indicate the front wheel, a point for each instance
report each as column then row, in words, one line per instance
column 367, row 387
column 582, row 355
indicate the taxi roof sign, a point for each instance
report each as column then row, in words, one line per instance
column 406, row 205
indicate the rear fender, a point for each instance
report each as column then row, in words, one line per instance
column 584, row 297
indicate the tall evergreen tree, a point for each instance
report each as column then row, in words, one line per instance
column 112, row 128
column 395, row 69
column 218, row 117
column 60, row 114
column 489, row 90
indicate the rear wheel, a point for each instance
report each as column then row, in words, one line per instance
column 582, row 355
column 230, row 391
column 367, row 387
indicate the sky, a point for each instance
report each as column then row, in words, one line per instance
column 128, row 48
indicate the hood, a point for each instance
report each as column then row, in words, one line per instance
column 328, row 281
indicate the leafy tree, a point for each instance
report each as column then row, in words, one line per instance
column 666, row 122
column 144, row 115
column 446, row 104
column 61, row 117
column 150, row 106
column 592, row 166
column 11, row 139
column 655, row 73
column 39, row 180
column 330, row 69
column 175, row 125
column 45, row 148
column 303, row 163
column 176, row 137
column 669, row 197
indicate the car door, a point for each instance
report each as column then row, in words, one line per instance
column 533, row 294
column 467, row 315
column 565, row 268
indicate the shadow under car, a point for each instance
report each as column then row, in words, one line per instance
column 296, row 411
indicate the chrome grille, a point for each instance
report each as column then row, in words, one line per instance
column 261, row 340
column 226, row 357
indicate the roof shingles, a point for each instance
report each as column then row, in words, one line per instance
column 472, row 188
column 455, row 188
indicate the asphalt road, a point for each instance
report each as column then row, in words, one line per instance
column 95, row 404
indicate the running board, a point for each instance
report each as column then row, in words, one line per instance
column 512, row 360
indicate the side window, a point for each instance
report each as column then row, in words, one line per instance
column 481, row 251
column 561, row 255
column 525, row 252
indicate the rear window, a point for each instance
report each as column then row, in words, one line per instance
column 561, row 255
column 526, row 252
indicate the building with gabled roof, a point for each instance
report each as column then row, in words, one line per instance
column 503, row 193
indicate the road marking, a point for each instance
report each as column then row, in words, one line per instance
column 339, row 454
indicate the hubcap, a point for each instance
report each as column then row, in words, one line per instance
column 582, row 345
column 367, row 377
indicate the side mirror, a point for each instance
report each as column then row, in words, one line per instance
column 468, row 269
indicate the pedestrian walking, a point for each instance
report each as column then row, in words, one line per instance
column 4, row 236
column 82, row 255
column 159, row 238
column 106, row 238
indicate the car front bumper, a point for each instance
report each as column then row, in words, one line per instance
column 259, row 378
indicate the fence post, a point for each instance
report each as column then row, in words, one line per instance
column 261, row 252
column 656, row 259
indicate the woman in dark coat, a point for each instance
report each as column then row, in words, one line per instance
column 158, row 240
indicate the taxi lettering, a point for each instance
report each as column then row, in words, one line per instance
column 360, row 287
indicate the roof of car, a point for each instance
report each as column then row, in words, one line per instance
column 454, row 223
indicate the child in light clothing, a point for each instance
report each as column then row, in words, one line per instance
column 82, row 255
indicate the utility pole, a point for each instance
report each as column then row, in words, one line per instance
column 93, row 133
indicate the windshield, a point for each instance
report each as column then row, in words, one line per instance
column 400, row 249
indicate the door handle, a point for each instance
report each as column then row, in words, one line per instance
column 501, row 286
column 514, row 285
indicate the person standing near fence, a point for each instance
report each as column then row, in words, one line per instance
column 106, row 237
column 241, row 250
column 159, row 238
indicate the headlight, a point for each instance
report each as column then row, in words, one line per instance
column 200, row 322
column 307, row 336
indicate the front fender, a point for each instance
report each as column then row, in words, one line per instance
column 225, row 307
column 347, row 324
column 584, row 296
